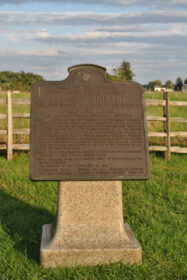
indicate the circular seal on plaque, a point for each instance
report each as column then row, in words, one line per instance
column 86, row 77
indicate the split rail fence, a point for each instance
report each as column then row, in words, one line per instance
column 167, row 134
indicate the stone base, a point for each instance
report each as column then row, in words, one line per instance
column 53, row 257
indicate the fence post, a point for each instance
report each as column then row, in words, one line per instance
column 166, row 114
column 9, row 142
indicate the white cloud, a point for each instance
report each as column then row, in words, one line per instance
column 158, row 37
column 124, row 3
column 127, row 28
column 90, row 18
column 154, row 39
column 42, row 33
column 22, row 35
column 12, row 36
column 103, row 2
column 149, row 62
column 45, row 52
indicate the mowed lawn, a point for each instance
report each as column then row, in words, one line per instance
column 155, row 209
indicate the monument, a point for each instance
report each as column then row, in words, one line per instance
column 88, row 133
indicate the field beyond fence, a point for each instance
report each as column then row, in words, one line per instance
column 166, row 122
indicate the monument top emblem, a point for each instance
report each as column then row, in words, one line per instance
column 87, row 127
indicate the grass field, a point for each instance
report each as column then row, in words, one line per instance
column 174, row 112
column 150, row 111
column 156, row 210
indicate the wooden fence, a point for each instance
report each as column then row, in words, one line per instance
column 167, row 134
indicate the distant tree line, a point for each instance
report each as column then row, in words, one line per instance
column 178, row 85
column 23, row 81
column 18, row 80
column 125, row 73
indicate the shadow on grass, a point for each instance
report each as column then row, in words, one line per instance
column 23, row 224
column 159, row 154
column 3, row 153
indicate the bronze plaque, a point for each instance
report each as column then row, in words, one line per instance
column 88, row 128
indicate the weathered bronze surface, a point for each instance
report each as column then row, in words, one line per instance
column 88, row 128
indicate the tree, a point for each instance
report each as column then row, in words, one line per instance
column 185, row 84
column 112, row 77
column 151, row 85
column 126, row 72
column 179, row 84
column 18, row 81
column 169, row 84
column 123, row 73
column 155, row 83
column 158, row 83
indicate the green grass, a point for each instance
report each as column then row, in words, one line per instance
column 175, row 111
column 174, row 96
column 155, row 209
column 17, row 123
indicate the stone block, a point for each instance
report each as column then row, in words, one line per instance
column 89, row 227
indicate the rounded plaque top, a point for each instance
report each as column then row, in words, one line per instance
column 82, row 66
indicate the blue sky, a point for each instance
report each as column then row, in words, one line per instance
column 48, row 36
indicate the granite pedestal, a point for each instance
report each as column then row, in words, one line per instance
column 89, row 227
